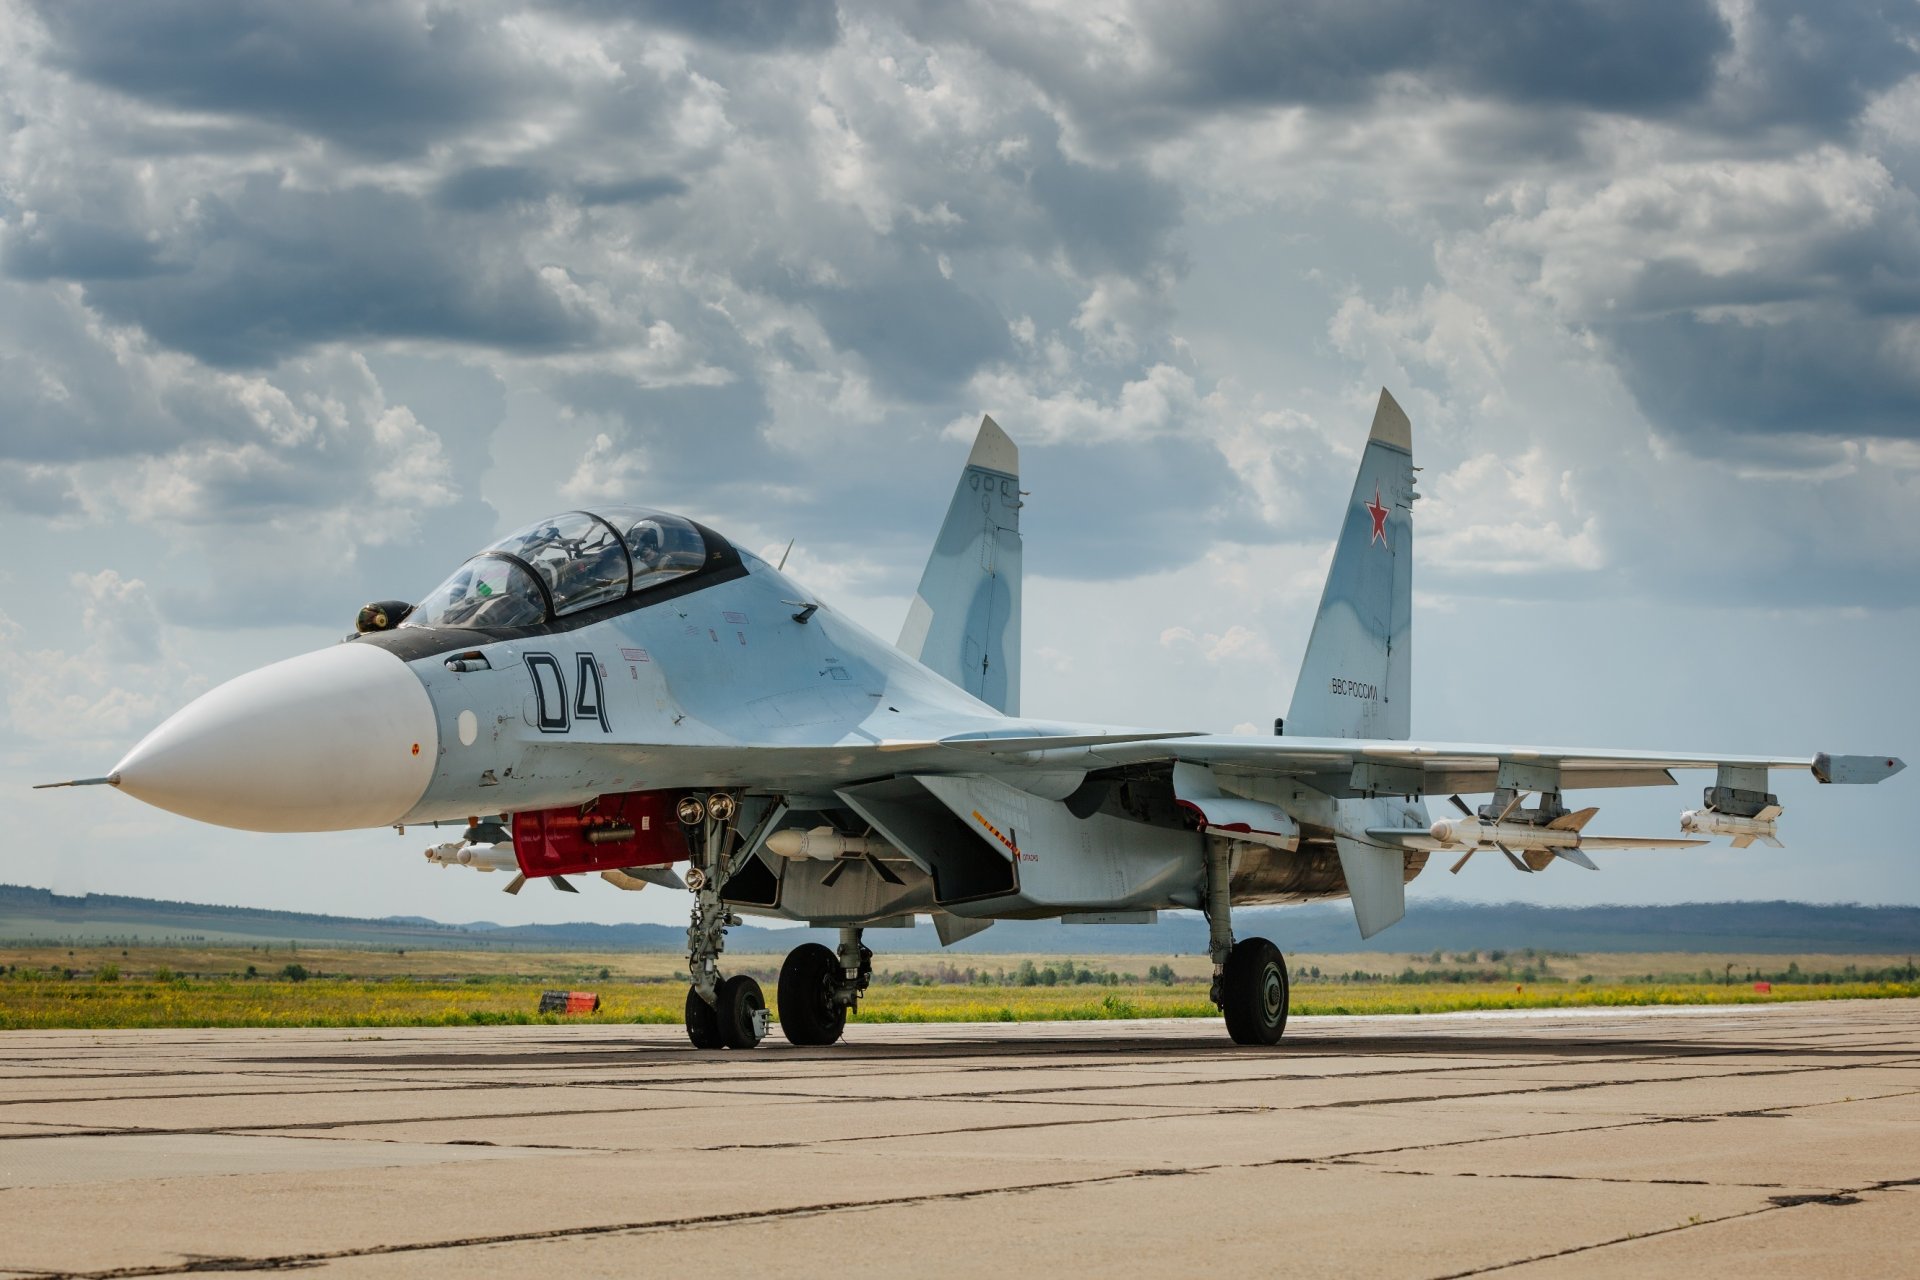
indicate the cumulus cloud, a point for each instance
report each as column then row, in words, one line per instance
column 1768, row 295
column 735, row 257
column 740, row 24
column 300, row 305
column 1147, row 69
column 1499, row 516
column 378, row 78
column 1236, row 644
column 119, row 681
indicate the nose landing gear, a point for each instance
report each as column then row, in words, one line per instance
column 721, row 1012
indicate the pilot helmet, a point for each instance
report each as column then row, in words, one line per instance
column 646, row 542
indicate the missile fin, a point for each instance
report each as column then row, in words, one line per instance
column 1573, row 821
column 1577, row 858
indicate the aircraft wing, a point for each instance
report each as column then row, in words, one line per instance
column 1432, row 767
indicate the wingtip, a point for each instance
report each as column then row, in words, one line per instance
column 1855, row 769
column 1390, row 424
column 994, row 449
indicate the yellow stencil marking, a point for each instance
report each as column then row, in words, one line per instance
column 995, row 831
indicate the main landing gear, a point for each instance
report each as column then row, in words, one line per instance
column 818, row 988
column 721, row 1012
column 1250, row 976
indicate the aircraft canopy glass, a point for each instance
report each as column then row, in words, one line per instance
column 662, row 546
column 483, row 592
column 562, row 565
column 579, row 557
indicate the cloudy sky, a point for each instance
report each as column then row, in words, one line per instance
column 302, row 303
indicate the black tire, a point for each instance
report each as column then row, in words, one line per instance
column 1254, row 992
column 703, row 1023
column 808, row 1014
column 740, row 999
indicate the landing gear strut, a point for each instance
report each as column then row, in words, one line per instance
column 721, row 1012
column 818, row 988
column 1249, row 977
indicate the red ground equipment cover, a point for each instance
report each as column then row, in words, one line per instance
column 569, row 1002
column 632, row 829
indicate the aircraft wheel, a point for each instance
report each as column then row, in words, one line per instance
column 703, row 1023
column 1254, row 992
column 808, row 1013
column 741, row 1008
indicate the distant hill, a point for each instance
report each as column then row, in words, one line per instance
column 35, row 915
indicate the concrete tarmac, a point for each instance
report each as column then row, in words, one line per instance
column 1742, row 1141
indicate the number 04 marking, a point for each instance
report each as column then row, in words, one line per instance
column 553, row 712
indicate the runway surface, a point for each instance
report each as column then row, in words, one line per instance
column 1743, row 1141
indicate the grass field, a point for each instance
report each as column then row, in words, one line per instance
column 560, row 968
column 350, row 1002
column 207, row 987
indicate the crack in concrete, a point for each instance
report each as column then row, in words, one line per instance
column 1775, row 1204
column 279, row 1262
column 1106, row 1061
column 985, row 1128
column 1577, row 1086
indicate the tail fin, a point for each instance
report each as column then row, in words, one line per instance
column 964, row 622
column 1355, row 681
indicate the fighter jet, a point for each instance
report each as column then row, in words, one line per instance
column 622, row 691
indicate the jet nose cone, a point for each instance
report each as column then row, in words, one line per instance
column 328, row 741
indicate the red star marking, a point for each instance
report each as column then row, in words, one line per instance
column 1379, row 514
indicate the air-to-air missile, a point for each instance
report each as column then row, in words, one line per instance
column 1744, row 830
column 825, row 844
column 481, row 857
column 1514, row 835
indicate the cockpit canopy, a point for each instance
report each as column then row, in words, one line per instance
column 562, row 565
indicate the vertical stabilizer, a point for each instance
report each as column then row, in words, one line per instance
column 964, row 622
column 1355, row 681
